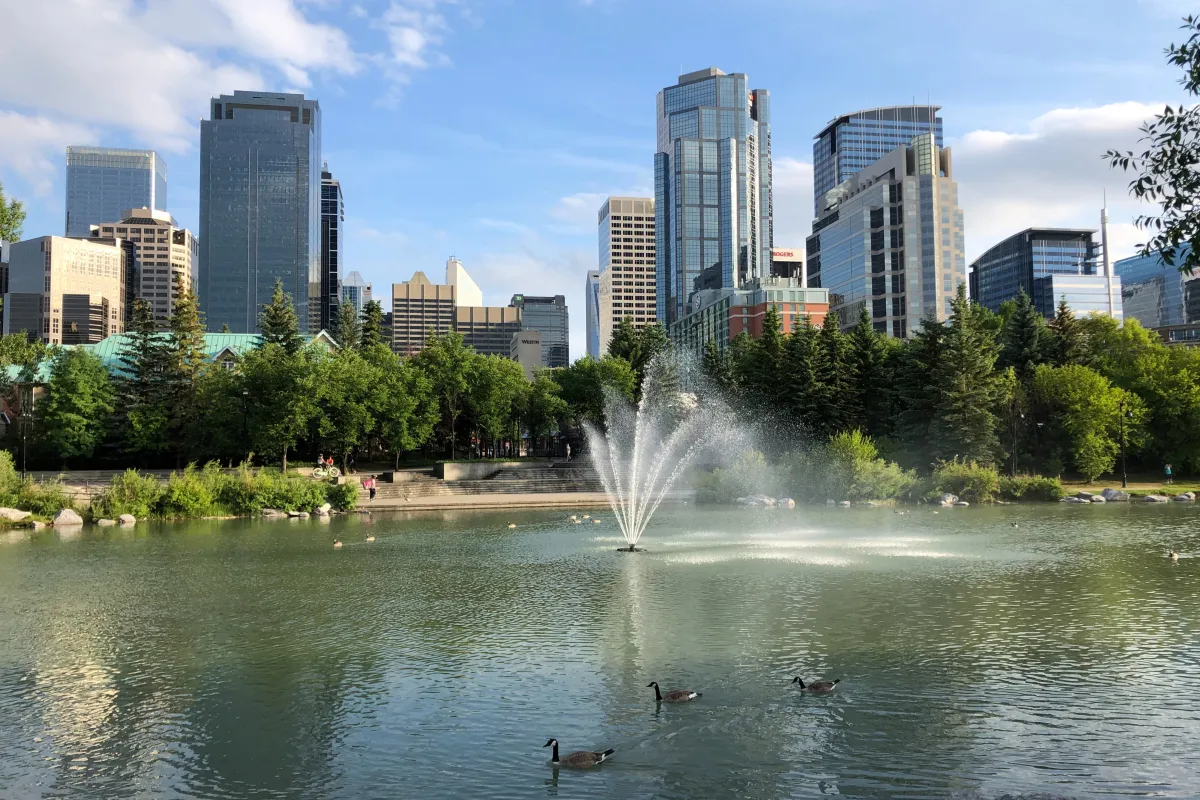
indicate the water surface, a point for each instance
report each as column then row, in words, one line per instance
column 252, row 660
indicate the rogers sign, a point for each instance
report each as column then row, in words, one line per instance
column 783, row 254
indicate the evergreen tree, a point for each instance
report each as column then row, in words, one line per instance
column 834, row 375
column 870, row 379
column 1066, row 337
column 804, row 360
column 1025, row 340
column 79, row 400
column 767, row 363
column 717, row 365
column 278, row 322
column 967, row 388
column 187, row 361
column 372, row 325
column 917, row 397
column 225, row 328
column 347, row 329
column 143, row 385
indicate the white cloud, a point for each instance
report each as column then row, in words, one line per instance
column 28, row 142
column 413, row 30
column 579, row 212
column 1050, row 174
column 792, row 197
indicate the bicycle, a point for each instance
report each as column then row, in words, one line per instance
column 326, row 472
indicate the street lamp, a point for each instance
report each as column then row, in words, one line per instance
column 26, row 418
column 1124, row 414
column 1014, row 441
column 246, row 416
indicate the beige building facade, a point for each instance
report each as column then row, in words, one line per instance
column 420, row 307
column 627, row 265
column 168, row 257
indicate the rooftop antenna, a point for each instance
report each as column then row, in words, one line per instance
column 1107, row 260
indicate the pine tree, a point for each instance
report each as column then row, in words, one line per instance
column 372, row 325
column 187, row 363
column 346, row 327
column 143, row 384
column 916, row 396
column 1066, row 337
column 871, row 386
column 765, row 369
column 834, row 375
column 717, row 365
column 1025, row 340
column 804, row 361
column 278, row 322
column 225, row 327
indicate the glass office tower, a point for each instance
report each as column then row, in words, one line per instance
column 854, row 141
column 260, row 206
column 333, row 215
column 105, row 182
column 592, row 292
column 712, row 186
column 1158, row 295
column 547, row 316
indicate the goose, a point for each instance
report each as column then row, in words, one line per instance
column 677, row 696
column 817, row 687
column 337, row 543
column 371, row 538
column 580, row 759
column 1173, row 556
column 587, row 516
column 512, row 525
column 596, row 521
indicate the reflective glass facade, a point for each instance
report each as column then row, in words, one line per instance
column 712, row 183
column 105, row 182
column 592, row 332
column 356, row 290
column 1027, row 261
column 1158, row 295
column 855, row 141
column 333, row 218
column 547, row 316
column 260, row 206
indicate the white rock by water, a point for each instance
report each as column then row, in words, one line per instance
column 1075, row 501
column 325, row 507
column 303, row 515
column 1155, row 498
column 1098, row 499
column 948, row 499
column 37, row 526
column 1085, row 496
column 1186, row 497
column 845, row 503
column 961, row 503
column 13, row 514
column 104, row 523
column 1115, row 495
column 67, row 517
column 786, row 502
column 127, row 519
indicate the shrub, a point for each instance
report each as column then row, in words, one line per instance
column 1032, row 487
column 189, row 494
column 343, row 496
column 129, row 493
column 744, row 477
column 848, row 467
column 43, row 499
column 971, row 481
column 10, row 481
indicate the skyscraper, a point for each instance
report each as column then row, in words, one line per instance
column 592, row 321
column 333, row 214
column 420, row 308
column 712, row 186
column 260, row 206
column 1157, row 294
column 104, row 182
column 890, row 239
column 854, row 141
column 165, row 252
column 356, row 290
column 547, row 316
column 627, row 285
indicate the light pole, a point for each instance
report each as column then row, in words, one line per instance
column 246, row 417
column 1014, row 441
column 1124, row 474
column 26, row 418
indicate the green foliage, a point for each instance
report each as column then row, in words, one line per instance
column 1032, row 488
column 1066, row 337
column 346, row 386
column 917, row 397
column 280, row 393
column 43, row 499
column 970, row 480
column 804, row 365
column 129, row 493
column 187, row 363
column 10, row 480
column 870, row 363
column 1025, row 339
column 347, row 328
column 79, row 400
column 403, row 404
column 190, row 494
column 717, row 364
column 496, row 393
column 446, row 362
column 143, row 387
column 342, row 496
column 638, row 346
column 847, row 467
column 12, row 218
column 372, row 326
column 583, row 384
column 544, row 407
column 278, row 323
column 747, row 475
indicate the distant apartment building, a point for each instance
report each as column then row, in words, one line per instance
column 65, row 291
column 167, row 256
column 548, row 316
column 627, row 286
column 1049, row 265
column 852, row 142
column 488, row 329
column 102, row 182
column 1160, row 297
column 420, row 308
column 356, row 291
column 592, row 320
column 720, row 314
column 890, row 239
column 333, row 221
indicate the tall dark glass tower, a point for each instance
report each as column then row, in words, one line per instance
column 854, row 141
column 260, row 206
column 333, row 214
column 712, row 186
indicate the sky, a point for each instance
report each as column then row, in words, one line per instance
column 492, row 130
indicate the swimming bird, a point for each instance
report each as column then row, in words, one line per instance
column 587, row 516
column 337, row 543
column 371, row 538
column 512, row 524
column 580, row 759
column 1173, row 555
column 817, row 687
column 596, row 521
column 676, row 696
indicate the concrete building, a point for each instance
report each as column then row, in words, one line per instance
column 526, row 350
column 890, row 239
column 3, row 275
column 356, row 290
column 420, row 308
column 712, row 185
column 1049, row 265
column 260, row 206
column 333, row 219
column 548, row 316
column 1160, row 297
column 592, row 320
column 65, row 291
column 167, row 256
column 102, row 182
column 788, row 262
column 628, row 285
column 466, row 290
column 852, row 142
column 488, row 329
column 721, row 314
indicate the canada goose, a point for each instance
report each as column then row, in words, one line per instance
column 1173, row 555
column 677, row 696
column 577, row 521
column 512, row 524
column 587, row 516
column 817, row 687
column 1015, row 525
column 596, row 521
column 337, row 543
column 371, row 538
column 580, row 759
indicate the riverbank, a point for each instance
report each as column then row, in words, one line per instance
column 458, row 502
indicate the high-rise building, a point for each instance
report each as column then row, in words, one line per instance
column 488, row 329
column 720, row 314
column 356, row 291
column 852, row 142
column 712, row 185
column 3, row 276
column 420, row 308
column 890, row 239
column 526, row 350
column 547, row 316
column 333, row 216
column 65, row 291
column 260, row 206
column 788, row 262
column 1049, row 265
column 627, row 287
column 466, row 291
column 1160, row 297
column 592, row 321
column 102, row 182
column 167, row 256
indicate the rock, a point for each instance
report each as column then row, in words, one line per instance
column 13, row 514
column 294, row 514
column 1085, row 496
column 831, row 502
column 786, row 502
column 67, row 517
column 961, row 503
column 37, row 526
column 1115, row 495
column 325, row 507
column 105, row 523
column 1098, row 499
column 948, row 499
column 1076, row 501
column 271, row 512
column 127, row 519
column 871, row 504
column 321, row 512
column 844, row 503
column 1186, row 497
column 303, row 515
column 1154, row 498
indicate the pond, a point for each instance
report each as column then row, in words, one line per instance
column 981, row 652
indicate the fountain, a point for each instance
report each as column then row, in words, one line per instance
column 645, row 449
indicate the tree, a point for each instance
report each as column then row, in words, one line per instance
column 12, row 218
column 1066, row 337
column 404, row 408
column 346, row 387
column 1166, row 170
column 79, row 400
column 347, row 328
column 447, row 363
column 915, row 387
column 187, row 361
column 544, row 407
column 372, row 325
column 280, row 392
column 1025, row 339
column 142, row 386
column 870, row 379
column 497, row 387
column 278, row 322
column 583, row 384
column 804, row 368
column 638, row 346
column 225, row 328
column 835, row 378
column 763, row 367
column 717, row 365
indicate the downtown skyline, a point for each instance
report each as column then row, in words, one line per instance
column 506, row 169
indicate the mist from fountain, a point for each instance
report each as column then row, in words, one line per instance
column 645, row 449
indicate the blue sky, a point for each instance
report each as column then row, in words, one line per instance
column 492, row 129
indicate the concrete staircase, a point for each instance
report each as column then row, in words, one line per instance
column 556, row 478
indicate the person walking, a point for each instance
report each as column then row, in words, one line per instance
column 371, row 487
column 1167, row 474
column 568, row 451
